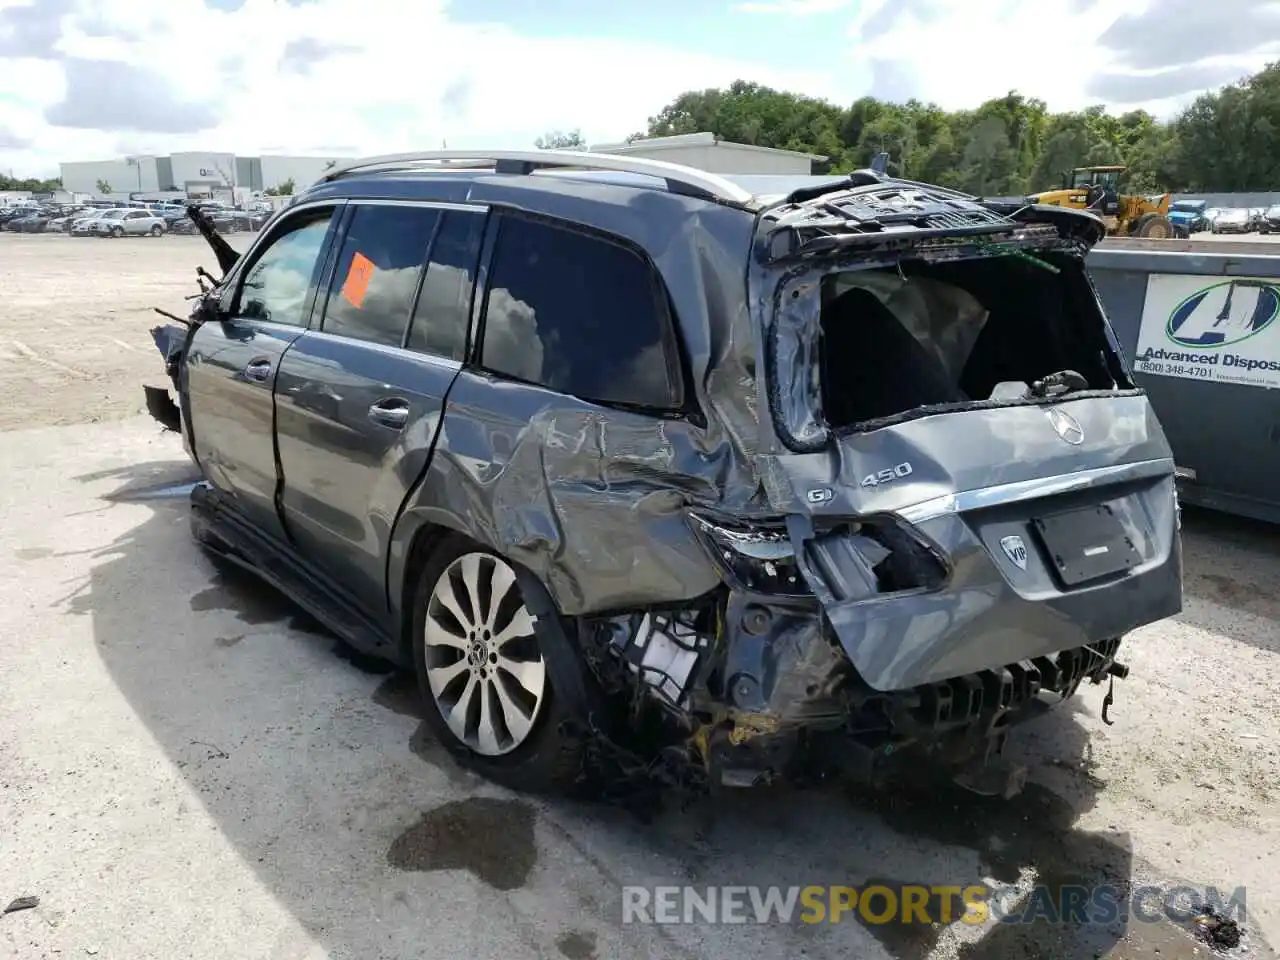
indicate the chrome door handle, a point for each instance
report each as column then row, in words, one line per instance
column 392, row 412
column 258, row 369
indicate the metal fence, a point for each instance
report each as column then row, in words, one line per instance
column 1232, row 199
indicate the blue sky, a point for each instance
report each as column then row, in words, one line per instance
column 81, row 79
column 703, row 26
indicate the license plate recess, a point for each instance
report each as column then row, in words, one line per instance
column 1086, row 544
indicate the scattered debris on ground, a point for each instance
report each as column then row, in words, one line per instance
column 22, row 903
column 1217, row 930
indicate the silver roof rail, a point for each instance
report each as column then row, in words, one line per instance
column 679, row 179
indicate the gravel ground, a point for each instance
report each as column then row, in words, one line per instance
column 193, row 768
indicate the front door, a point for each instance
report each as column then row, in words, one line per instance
column 358, row 402
column 233, row 361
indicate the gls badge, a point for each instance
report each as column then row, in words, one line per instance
column 1015, row 550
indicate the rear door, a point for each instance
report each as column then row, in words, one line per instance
column 232, row 362
column 359, row 401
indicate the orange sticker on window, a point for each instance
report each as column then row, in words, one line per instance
column 357, row 283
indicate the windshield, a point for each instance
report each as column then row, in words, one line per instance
column 1188, row 206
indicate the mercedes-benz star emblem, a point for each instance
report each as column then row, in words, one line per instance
column 1066, row 426
column 1015, row 550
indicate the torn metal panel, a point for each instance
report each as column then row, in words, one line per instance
column 223, row 251
column 991, row 613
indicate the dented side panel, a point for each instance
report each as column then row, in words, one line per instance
column 593, row 499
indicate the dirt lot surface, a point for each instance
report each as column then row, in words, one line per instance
column 75, row 320
column 191, row 768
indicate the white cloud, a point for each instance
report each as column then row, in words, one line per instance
column 962, row 52
column 427, row 80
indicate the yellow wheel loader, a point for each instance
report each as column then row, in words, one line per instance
column 1097, row 189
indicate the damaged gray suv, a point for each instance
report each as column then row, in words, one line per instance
column 722, row 480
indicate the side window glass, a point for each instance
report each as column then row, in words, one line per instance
column 578, row 315
column 377, row 272
column 275, row 287
column 444, row 307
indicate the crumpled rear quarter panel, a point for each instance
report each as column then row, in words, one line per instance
column 590, row 498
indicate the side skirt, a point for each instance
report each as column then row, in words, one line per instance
column 220, row 530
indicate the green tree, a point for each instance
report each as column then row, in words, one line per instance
column 560, row 140
column 1228, row 139
column 282, row 189
column 103, row 187
column 31, row 184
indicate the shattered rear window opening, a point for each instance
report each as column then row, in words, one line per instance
column 854, row 346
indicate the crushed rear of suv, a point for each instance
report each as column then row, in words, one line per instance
column 716, row 485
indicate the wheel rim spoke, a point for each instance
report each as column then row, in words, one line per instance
column 471, row 580
column 503, row 580
column 530, row 674
column 449, row 600
column 457, row 717
column 439, row 635
column 518, row 722
column 521, row 625
column 441, row 677
column 486, row 732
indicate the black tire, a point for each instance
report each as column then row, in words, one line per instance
column 117, row 232
column 157, row 230
column 549, row 758
column 1153, row 226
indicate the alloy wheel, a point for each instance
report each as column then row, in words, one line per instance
column 483, row 664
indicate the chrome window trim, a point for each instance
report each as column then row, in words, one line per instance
column 403, row 353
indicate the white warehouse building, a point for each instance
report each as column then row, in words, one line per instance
column 706, row 151
column 193, row 174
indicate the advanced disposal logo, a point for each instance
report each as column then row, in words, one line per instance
column 1222, row 329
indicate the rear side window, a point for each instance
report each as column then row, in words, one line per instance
column 443, row 313
column 377, row 272
column 579, row 315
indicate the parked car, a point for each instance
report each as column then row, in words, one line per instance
column 66, row 220
column 637, row 459
column 17, row 211
column 239, row 220
column 1232, row 220
column 1188, row 216
column 86, row 226
column 225, row 221
column 182, row 226
column 31, row 222
column 127, row 222
column 1270, row 222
